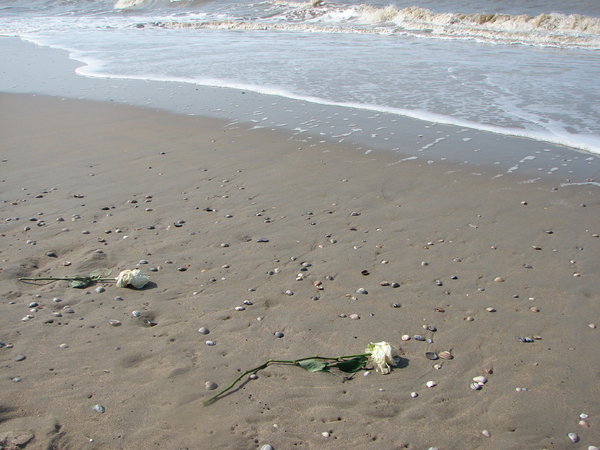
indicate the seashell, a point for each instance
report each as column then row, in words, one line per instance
column 432, row 356
column 114, row 322
column 446, row 355
column 574, row 437
column 475, row 386
column 431, row 384
column 480, row 379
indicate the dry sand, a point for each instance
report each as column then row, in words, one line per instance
column 120, row 178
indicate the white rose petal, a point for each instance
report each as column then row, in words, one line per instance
column 383, row 356
column 136, row 278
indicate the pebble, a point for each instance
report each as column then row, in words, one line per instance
column 573, row 437
column 354, row 316
column 289, row 292
column 432, row 356
column 240, row 308
column 100, row 289
column 480, row 379
column 210, row 343
column 99, row 408
column 475, row 386
column 396, row 305
column 210, row 385
column 114, row 322
column 325, row 434
column 405, row 337
column 136, row 313
column 362, row 291
column 17, row 379
column 64, row 345
column 20, row 358
column 499, row 279
column 431, row 384
column 592, row 325
column 490, row 309
column 278, row 334
column 486, row 433
column 418, row 337
column 414, row 394
column 266, row 447
column 56, row 300
column 33, row 304
column 203, row 330
column 395, row 285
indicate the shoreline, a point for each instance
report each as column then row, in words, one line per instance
column 308, row 123
column 236, row 229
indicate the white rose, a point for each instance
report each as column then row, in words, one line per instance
column 135, row 278
column 383, row 356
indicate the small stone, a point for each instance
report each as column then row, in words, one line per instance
column 262, row 240
column 534, row 309
column 475, row 386
column 289, row 292
column 325, row 434
column 51, row 255
column 431, row 384
column 100, row 289
column 33, row 304
column 20, row 358
column 480, row 379
column 384, row 283
column 266, row 447
column 418, row 337
column 499, row 279
column 210, row 343
column 17, row 379
column 64, row 345
column 395, row 285
column 414, row 394
column 396, row 305
column 361, row 291
column 486, row 433
column 114, row 323
column 573, row 437
column 279, row 334
column 203, row 330
column 210, row 385
column 490, row 309
column 354, row 316
column 136, row 313
column 118, row 298
column 56, row 300
column 99, row 408
column 592, row 325
column 405, row 337
column 240, row 308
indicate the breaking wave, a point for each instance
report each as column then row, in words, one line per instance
column 553, row 29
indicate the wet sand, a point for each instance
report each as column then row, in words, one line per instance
column 223, row 215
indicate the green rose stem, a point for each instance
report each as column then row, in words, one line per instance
column 362, row 360
column 65, row 279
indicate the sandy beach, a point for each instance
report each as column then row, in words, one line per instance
column 251, row 233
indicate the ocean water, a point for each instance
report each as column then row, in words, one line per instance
column 511, row 67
